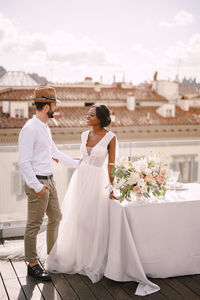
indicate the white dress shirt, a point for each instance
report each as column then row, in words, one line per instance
column 36, row 149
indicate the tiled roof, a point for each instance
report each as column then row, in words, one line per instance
column 76, row 117
column 189, row 91
column 16, row 94
column 86, row 94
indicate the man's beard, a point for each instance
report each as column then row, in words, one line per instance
column 50, row 114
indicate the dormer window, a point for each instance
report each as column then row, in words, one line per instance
column 169, row 113
column 19, row 113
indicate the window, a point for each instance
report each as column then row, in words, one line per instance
column 89, row 103
column 19, row 113
column 169, row 113
column 187, row 166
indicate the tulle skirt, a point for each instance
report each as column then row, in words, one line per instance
column 82, row 241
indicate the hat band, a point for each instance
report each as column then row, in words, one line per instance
column 44, row 98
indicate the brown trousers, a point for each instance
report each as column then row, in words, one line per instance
column 37, row 207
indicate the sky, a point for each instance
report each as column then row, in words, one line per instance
column 67, row 40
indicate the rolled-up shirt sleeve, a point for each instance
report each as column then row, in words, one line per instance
column 68, row 161
column 26, row 145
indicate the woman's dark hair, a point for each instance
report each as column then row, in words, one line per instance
column 40, row 105
column 103, row 114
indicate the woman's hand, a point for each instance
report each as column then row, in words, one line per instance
column 56, row 160
column 113, row 197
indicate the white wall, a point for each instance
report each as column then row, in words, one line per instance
column 18, row 105
column 82, row 103
column 184, row 104
column 163, row 110
column 150, row 103
column 130, row 103
column 6, row 107
column 167, row 89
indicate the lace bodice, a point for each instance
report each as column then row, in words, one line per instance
column 96, row 155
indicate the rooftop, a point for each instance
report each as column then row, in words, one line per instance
column 70, row 117
column 85, row 93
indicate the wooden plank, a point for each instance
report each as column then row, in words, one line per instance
column 3, row 294
column 115, row 289
column 48, row 290
column 167, row 290
column 80, row 288
column 196, row 278
column 97, row 289
column 183, row 290
column 28, row 284
column 191, row 284
column 130, row 287
column 63, row 287
column 11, row 282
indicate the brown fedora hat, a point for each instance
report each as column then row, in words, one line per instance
column 45, row 94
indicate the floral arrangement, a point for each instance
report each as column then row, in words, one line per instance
column 141, row 177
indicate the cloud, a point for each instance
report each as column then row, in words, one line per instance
column 50, row 51
column 64, row 57
column 182, row 18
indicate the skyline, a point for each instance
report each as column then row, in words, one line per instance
column 67, row 41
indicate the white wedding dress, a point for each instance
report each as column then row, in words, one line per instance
column 82, row 241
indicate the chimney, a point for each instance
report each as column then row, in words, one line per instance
column 97, row 87
column 88, row 80
column 130, row 102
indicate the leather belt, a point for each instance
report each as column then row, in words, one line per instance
column 44, row 177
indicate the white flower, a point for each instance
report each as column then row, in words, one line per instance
column 145, row 174
column 120, row 183
column 154, row 159
column 141, row 183
column 123, row 161
column 147, row 171
column 133, row 178
column 144, row 189
column 140, row 165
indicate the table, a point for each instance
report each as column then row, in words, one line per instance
column 158, row 239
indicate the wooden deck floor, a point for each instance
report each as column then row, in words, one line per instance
column 15, row 284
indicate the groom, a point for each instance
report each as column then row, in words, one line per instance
column 36, row 150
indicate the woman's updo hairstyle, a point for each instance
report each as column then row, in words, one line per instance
column 103, row 114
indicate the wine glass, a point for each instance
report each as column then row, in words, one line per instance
column 173, row 177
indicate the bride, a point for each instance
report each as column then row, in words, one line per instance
column 82, row 241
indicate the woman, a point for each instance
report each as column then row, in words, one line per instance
column 82, row 241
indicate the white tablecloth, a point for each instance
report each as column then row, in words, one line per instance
column 159, row 239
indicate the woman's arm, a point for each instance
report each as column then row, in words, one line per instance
column 111, row 157
column 111, row 161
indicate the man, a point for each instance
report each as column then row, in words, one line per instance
column 36, row 150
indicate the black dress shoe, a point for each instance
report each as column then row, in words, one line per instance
column 38, row 273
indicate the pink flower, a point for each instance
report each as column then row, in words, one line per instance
column 162, row 172
column 136, row 189
column 160, row 179
column 141, row 175
column 148, row 178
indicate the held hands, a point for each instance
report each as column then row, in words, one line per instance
column 42, row 192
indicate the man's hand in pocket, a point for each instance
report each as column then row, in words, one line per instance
column 45, row 187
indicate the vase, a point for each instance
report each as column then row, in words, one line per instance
column 139, row 198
